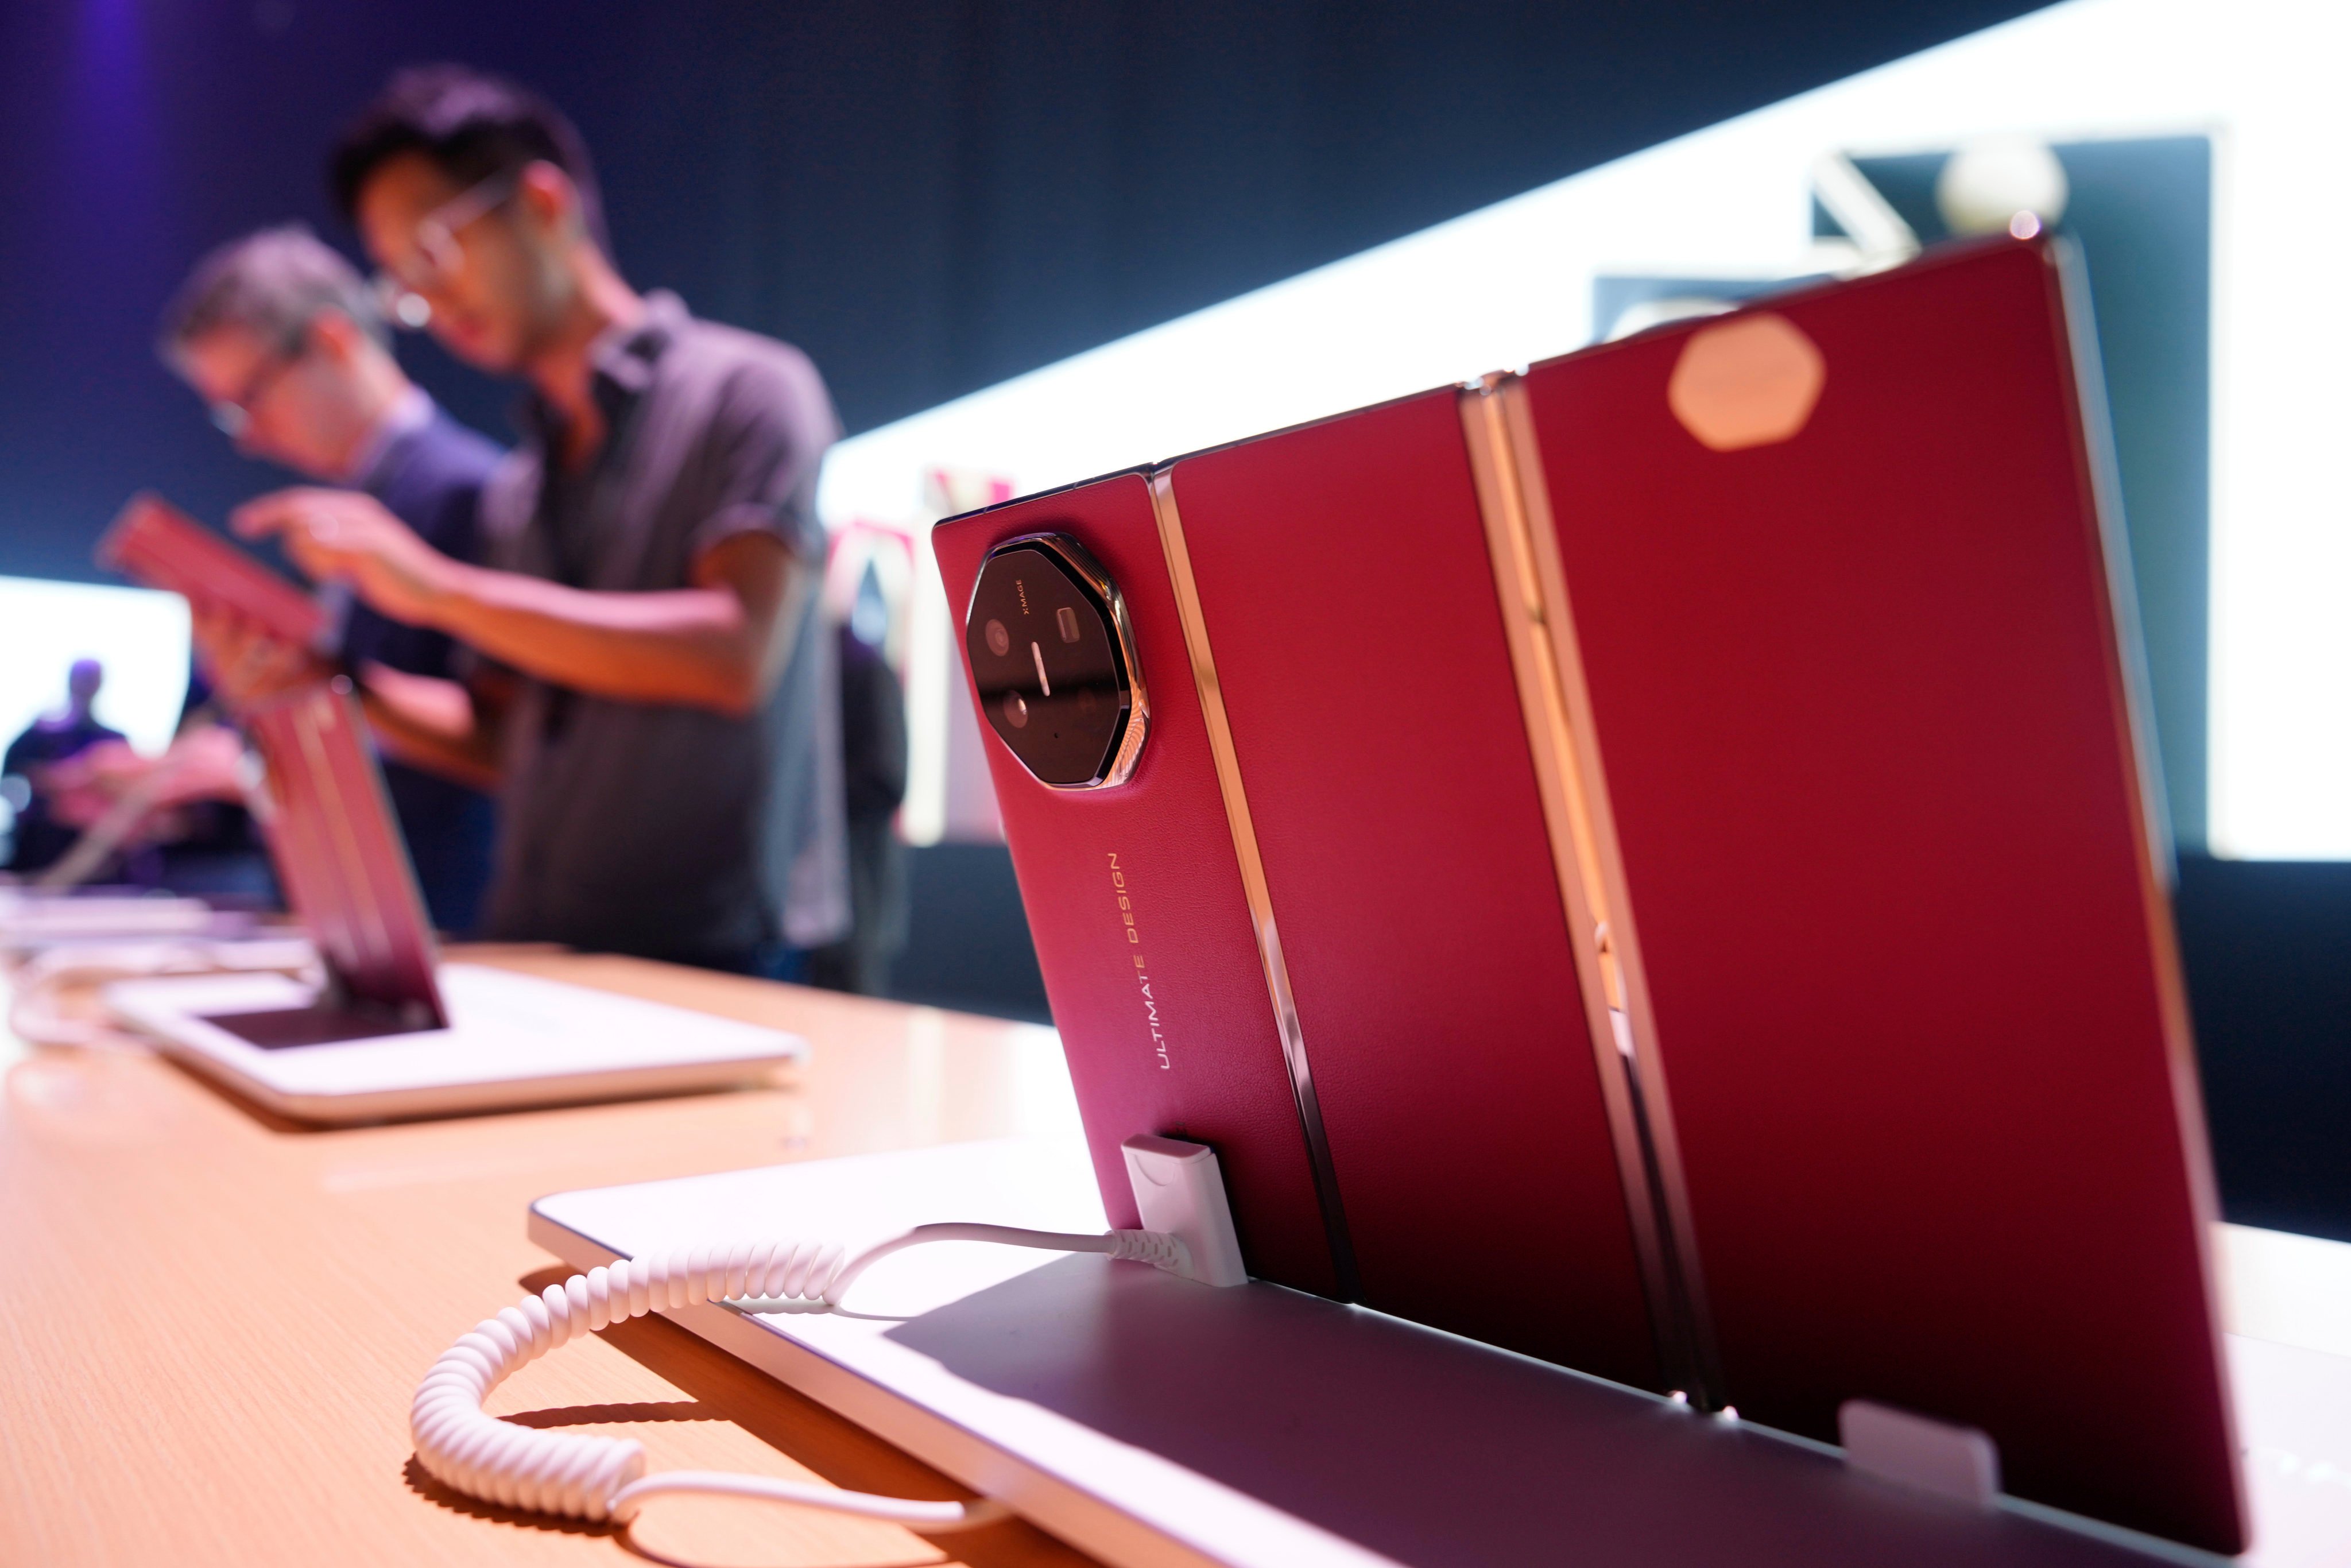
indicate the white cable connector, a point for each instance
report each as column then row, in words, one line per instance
column 1180, row 1192
column 588, row 1477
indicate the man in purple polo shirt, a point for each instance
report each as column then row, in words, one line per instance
column 668, row 745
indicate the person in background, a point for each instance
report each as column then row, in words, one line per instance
column 41, row 836
column 287, row 344
column 188, row 832
column 669, row 759
column 873, row 773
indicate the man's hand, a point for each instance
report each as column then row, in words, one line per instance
column 205, row 764
column 245, row 663
column 79, row 789
column 341, row 536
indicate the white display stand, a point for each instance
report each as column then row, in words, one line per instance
column 1150, row 1420
column 512, row 1040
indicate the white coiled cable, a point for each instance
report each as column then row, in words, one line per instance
column 584, row 1476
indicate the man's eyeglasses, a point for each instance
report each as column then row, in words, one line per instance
column 234, row 414
column 434, row 254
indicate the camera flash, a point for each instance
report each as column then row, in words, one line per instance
column 1068, row 620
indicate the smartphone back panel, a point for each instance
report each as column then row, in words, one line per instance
column 1899, row 942
column 164, row 547
column 1134, row 900
column 339, row 852
column 1346, row 588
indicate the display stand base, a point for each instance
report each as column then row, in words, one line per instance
column 1151, row 1420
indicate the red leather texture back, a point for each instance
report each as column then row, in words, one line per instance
column 1859, row 703
column 164, row 547
column 1348, row 594
column 1156, row 848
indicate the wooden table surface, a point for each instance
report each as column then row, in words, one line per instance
column 211, row 1323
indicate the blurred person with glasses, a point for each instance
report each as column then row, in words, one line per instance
column 290, row 347
column 669, row 751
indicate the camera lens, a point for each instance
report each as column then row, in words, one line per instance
column 1074, row 716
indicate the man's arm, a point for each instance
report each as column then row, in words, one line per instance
column 719, row 645
column 435, row 724
column 204, row 764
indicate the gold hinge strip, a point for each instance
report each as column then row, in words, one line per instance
column 1254, row 885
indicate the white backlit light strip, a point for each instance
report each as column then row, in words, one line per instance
column 140, row 635
column 1512, row 283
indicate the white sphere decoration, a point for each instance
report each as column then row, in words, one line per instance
column 1989, row 184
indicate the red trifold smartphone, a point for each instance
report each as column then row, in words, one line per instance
column 338, row 849
column 164, row 547
column 1651, row 863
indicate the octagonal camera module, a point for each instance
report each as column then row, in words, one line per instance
column 1053, row 659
